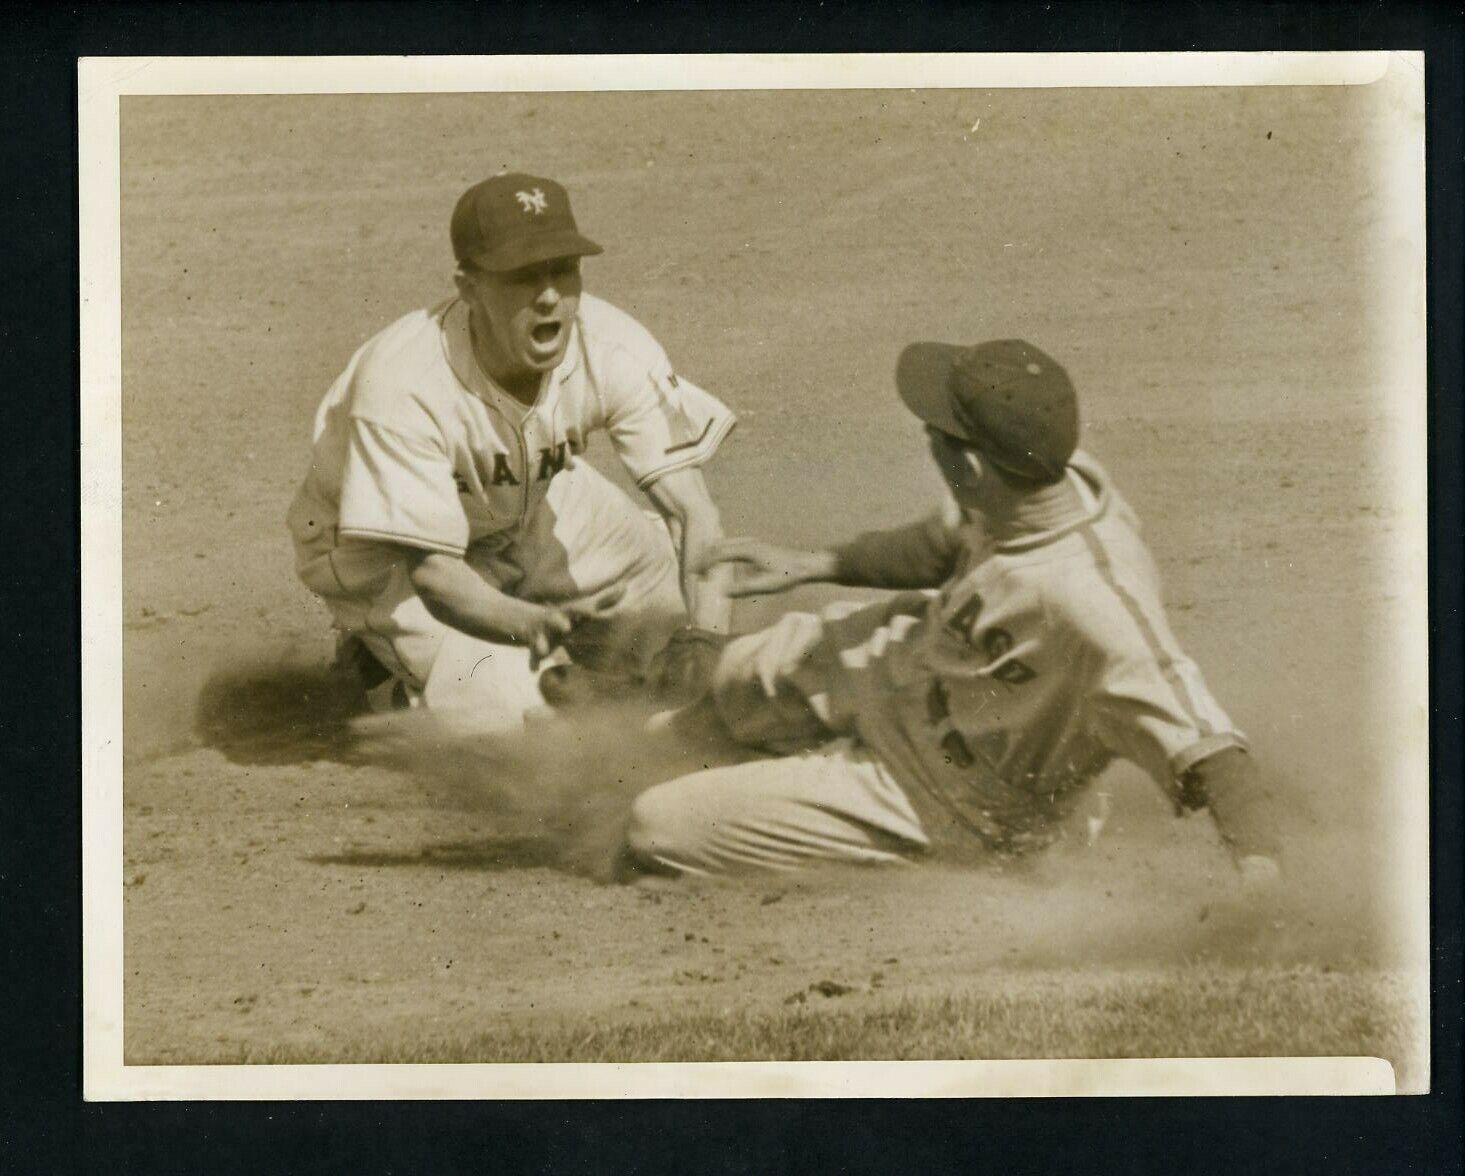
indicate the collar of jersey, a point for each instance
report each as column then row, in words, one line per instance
column 1087, row 470
column 458, row 352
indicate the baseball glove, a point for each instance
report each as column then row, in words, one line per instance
column 571, row 687
column 682, row 672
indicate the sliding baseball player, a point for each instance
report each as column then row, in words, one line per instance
column 1027, row 650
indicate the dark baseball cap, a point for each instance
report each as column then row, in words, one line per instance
column 510, row 221
column 1008, row 400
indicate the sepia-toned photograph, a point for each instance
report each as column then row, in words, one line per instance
column 666, row 564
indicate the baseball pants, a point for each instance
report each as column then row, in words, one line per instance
column 584, row 539
column 828, row 799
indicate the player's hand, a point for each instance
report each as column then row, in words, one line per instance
column 775, row 659
column 542, row 628
column 1261, row 877
column 590, row 639
column 545, row 627
column 763, row 568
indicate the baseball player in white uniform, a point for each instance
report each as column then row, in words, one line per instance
column 446, row 520
column 1029, row 650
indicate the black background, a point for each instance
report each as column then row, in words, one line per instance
column 45, row 1126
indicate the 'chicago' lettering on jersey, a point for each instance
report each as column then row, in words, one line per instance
column 959, row 624
column 997, row 644
column 938, row 714
column 1014, row 672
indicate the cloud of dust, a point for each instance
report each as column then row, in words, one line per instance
column 1149, row 890
column 567, row 779
column 1167, row 895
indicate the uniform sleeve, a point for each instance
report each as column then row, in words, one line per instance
column 921, row 555
column 398, row 488
column 658, row 421
column 1154, row 709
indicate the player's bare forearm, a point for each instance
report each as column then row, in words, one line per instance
column 708, row 605
column 458, row 596
column 696, row 527
column 757, row 568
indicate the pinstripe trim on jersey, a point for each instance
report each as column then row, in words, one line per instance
column 1162, row 656
column 416, row 541
column 1084, row 470
column 1204, row 749
column 707, row 447
column 693, row 443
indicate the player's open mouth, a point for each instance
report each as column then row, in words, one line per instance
column 545, row 334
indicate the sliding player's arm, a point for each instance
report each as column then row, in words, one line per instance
column 921, row 555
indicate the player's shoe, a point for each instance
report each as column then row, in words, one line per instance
column 391, row 695
column 382, row 692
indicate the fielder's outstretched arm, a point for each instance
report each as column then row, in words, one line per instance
column 458, row 596
column 686, row 504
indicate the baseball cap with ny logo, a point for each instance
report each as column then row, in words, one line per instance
column 513, row 220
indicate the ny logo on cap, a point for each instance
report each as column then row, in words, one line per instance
column 532, row 201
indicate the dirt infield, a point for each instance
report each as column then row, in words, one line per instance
column 1205, row 264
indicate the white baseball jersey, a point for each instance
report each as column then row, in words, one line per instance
column 1040, row 661
column 415, row 446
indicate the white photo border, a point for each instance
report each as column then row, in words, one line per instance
column 103, row 82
